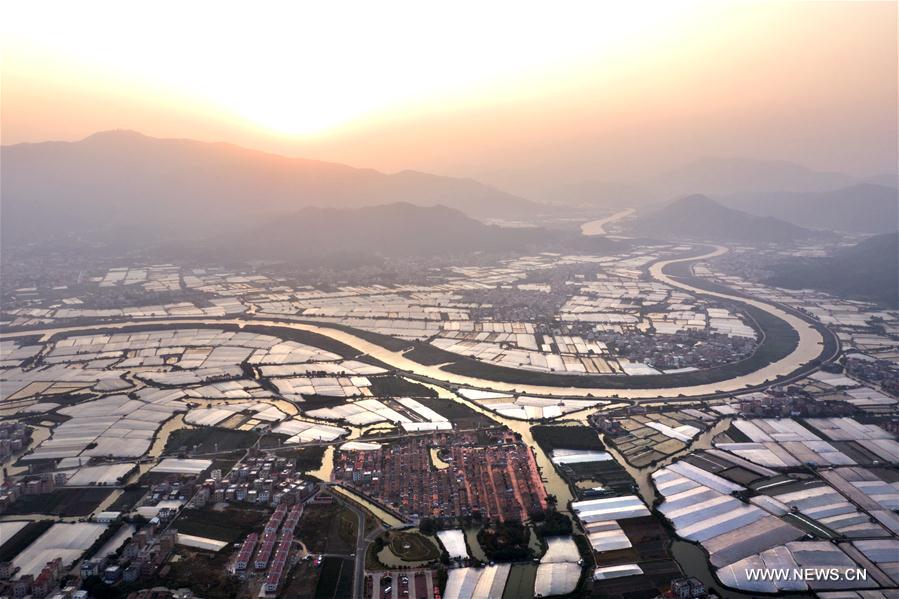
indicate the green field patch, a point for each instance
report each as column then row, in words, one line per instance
column 412, row 546
column 226, row 525
column 336, row 579
column 14, row 545
column 208, row 440
column 61, row 502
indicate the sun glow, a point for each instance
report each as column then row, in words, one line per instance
column 310, row 68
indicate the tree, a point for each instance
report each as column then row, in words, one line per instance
column 427, row 526
column 95, row 587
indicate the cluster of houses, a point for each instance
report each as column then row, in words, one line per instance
column 12, row 490
column 261, row 480
column 40, row 586
column 271, row 553
column 14, row 437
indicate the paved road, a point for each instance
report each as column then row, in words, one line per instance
column 361, row 546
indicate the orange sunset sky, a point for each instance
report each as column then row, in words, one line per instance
column 515, row 93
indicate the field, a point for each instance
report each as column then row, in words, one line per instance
column 205, row 574
column 520, row 583
column 336, row 579
column 459, row 414
column 651, row 550
column 17, row 543
column 302, row 581
column 583, row 476
column 394, row 386
column 425, row 353
column 127, row 499
column 315, row 402
column 305, row 337
column 65, row 540
column 62, row 502
column 566, row 437
column 328, row 528
column 208, row 440
column 227, row 525
column 591, row 474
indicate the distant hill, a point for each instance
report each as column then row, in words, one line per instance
column 716, row 177
column 177, row 187
column 699, row 217
column 720, row 176
column 399, row 229
column 869, row 270
column 596, row 192
column 861, row 208
column 885, row 179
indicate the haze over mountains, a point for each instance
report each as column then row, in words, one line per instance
column 699, row 217
column 122, row 179
column 124, row 186
column 716, row 177
column 868, row 270
column 859, row 208
column 399, row 229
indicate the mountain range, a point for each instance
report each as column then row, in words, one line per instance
column 127, row 188
column 859, row 208
column 699, row 217
column 868, row 270
column 399, row 229
column 123, row 180
column 716, row 177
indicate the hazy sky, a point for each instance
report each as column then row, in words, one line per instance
column 505, row 91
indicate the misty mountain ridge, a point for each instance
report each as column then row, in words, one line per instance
column 699, row 217
column 868, row 270
column 395, row 230
column 859, row 208
column 716, row 177
column 179, row 187
column 612, row 195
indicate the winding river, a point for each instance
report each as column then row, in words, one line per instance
column 810, row 346
column 598, row 227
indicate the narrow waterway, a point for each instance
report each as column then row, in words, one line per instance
column 326, row 470
column 378, row 512
column 643, row 476
column 598, row 227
